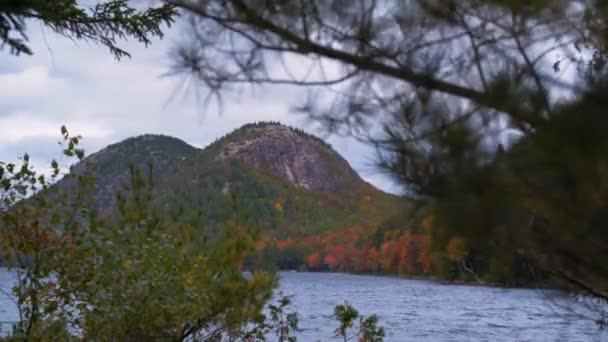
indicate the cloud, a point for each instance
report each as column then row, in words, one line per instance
column 30, row 82
column 24, row 126
column 82, row 86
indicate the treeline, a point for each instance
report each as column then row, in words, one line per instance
column 354, row 249
column 239, row 132
column 421, row 250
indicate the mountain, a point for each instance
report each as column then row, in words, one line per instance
column 285, row 180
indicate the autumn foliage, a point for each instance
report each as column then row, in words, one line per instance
column 354, row 249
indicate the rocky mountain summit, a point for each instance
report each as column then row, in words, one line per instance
column 291, row 155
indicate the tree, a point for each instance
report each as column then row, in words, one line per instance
column 368, row 331
column 104, row 23
column 138, row 276
column 314, row 261
column 130, row 277
column 376, row 44
column 455, row 249
column 31, row 230
column 281, row 322
column 462, row 99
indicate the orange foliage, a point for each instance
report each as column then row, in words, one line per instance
column 426, row 254
column 278, row 206
column 282, row 244
column 455, row 249
column 370, row 260
column 314, row 260
column 353, row 249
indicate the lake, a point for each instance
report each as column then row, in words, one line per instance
column 418, row 310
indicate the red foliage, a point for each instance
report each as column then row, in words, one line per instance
column 426, row 254
column 373, row 264
column 282, row 244
column 330, row 261
column 351, row 249
column 314, row 261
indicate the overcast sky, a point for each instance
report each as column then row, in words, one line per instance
column 82, row 86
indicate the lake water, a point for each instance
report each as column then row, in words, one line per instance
column 418, row 310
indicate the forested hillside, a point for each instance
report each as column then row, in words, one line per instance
column 287, row 182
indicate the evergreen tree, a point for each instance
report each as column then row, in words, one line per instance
column 104, row 23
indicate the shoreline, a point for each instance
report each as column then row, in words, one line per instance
column 436, row 280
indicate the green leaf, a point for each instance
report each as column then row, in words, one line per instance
column 79, row 153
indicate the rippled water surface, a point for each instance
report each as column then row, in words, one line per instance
column 417, row 310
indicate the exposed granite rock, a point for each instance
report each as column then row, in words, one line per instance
column 290, row 156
